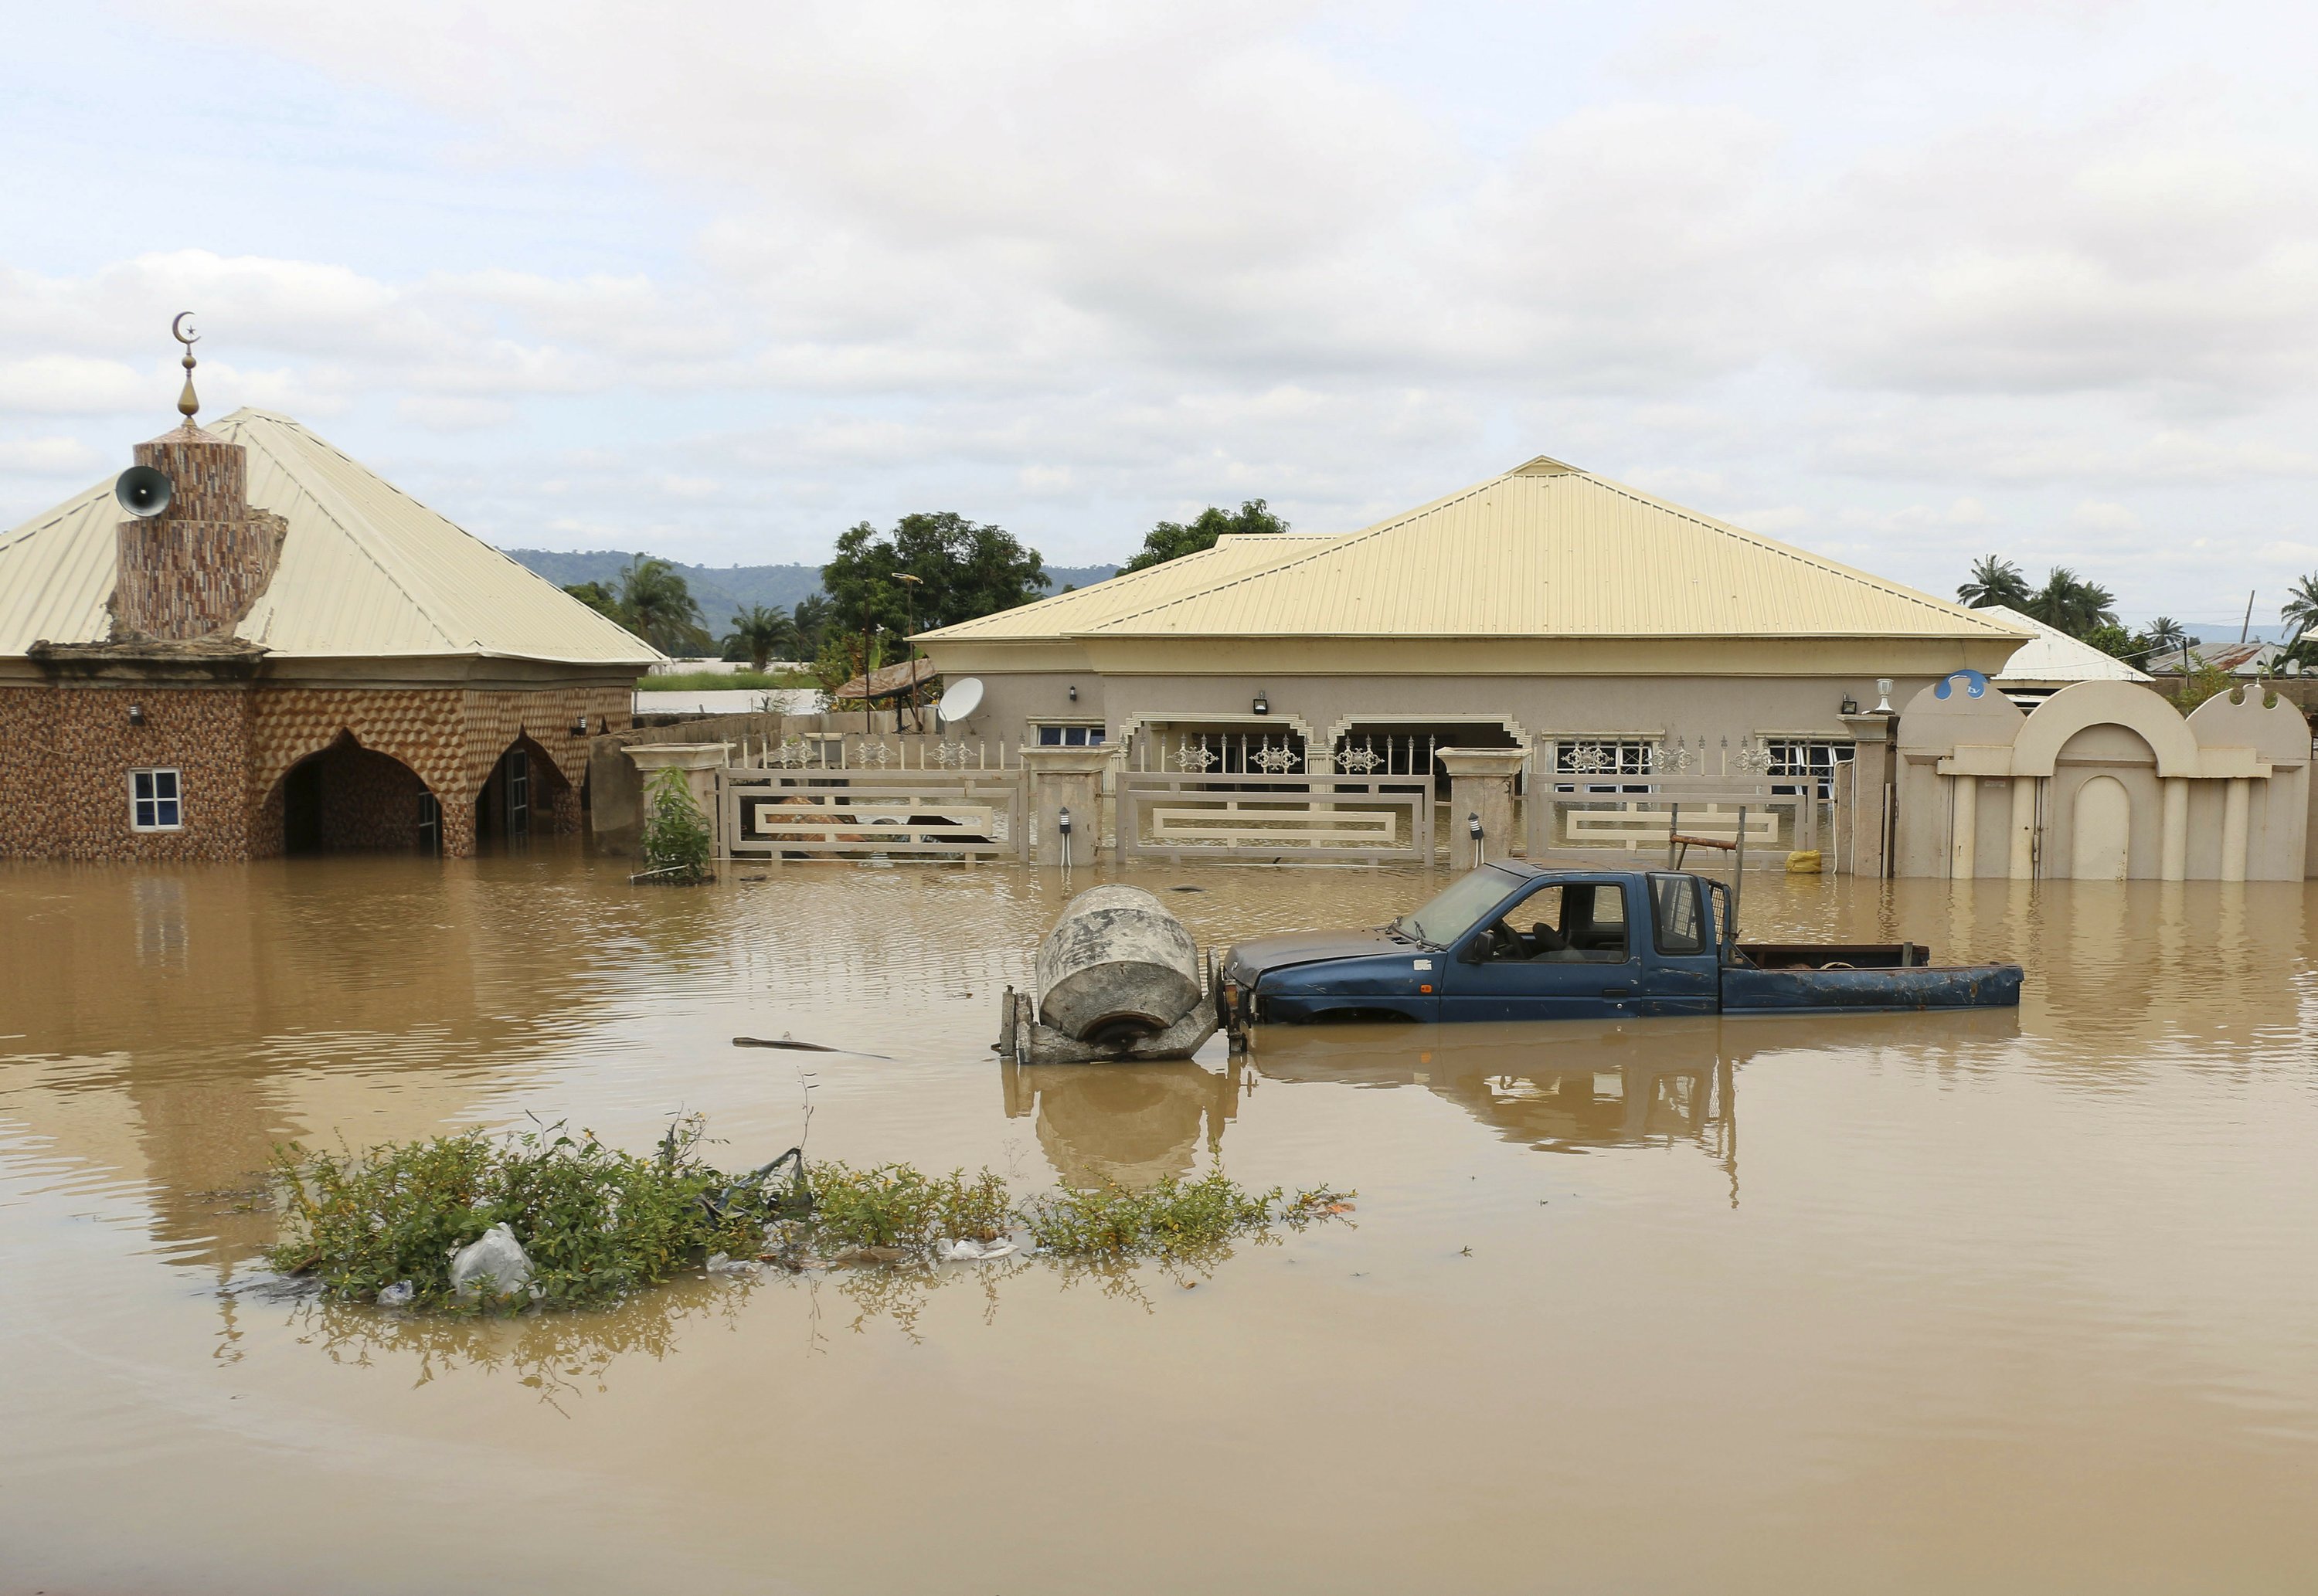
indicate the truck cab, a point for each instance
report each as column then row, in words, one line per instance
column 1505, row 941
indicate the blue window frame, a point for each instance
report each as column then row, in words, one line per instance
column 156, row 801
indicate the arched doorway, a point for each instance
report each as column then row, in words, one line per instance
column 525, row 792
column 347, row 798
column 2101, row 845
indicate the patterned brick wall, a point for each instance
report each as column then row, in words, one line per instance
column 65, row 753
column 197, row 568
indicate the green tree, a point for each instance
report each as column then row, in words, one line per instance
column 2165, row 632
column 1995, row 580
column 1171, row 539
column 758, row 632
column 2300, row 612
column 657, row 604
column 2071, row 603
column 598, row 599
column 811, row 620
column 963, row 570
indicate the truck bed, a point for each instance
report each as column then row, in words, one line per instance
column 1848, row 987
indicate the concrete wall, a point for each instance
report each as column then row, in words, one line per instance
column 1322, row 706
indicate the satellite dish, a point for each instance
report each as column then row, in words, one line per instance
column 143, row 491
column 962, row 700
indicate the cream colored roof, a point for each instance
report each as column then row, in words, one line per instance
column 2052, row 655
column 1543, row 550
column 366, row 570
column 1065, row 614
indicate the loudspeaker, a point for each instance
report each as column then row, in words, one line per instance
column 143, row 491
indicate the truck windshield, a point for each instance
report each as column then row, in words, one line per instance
column 1458, row 910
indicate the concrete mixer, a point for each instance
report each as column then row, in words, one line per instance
column 1119, row 978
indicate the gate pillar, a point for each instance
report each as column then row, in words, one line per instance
column 1065, row 780
column 700, row 762
column 1480, row 788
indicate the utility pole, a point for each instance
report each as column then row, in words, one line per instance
column 2246, row 630
column 910, row 608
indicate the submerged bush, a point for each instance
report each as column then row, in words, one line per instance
column 1175, row 1218
column 896, row 1206
column 676, row 843
column 596, row 1223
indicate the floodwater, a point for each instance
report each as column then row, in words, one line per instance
column 1993, row 1302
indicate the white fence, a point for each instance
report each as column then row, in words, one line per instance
column 778, row 814
column 1256, row 817
column 1639, row 817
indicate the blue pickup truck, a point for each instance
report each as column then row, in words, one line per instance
column 1510, row 941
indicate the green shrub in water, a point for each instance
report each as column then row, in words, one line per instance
column 596, row 1223
column 1173, row 1219
column 676, row 843
column 896, row 1206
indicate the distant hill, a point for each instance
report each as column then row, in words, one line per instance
column 721, row 589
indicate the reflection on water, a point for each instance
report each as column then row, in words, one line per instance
column 1122, row 1124
column 2004, row 1290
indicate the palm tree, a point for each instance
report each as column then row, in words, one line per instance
column 811, row 620
column 2071, row 603
column 763, row 632
column 2165, row 632
column 1995, row 580
column 657, row 606
column 2300, row 610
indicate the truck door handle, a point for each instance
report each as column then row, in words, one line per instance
column 1617, row 991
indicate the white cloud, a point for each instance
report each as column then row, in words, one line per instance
column 1075, row 269
column 48, row 457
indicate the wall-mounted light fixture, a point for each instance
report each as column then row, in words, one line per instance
column 580, row 726
column 1473, row 829
column 137, row 715
column 1063, row 825
column 1262, row 705
column 1074, row 692
column 1850, row 705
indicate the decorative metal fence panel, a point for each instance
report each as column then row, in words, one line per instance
column 1195, row 816
column 1640, row 816
column 778, row 814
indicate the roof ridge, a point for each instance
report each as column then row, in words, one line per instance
column 1172, row 567
column 1771, row 545
column 1341, row 541
column 360, row 545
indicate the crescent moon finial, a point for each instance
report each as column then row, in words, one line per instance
column 187, row 401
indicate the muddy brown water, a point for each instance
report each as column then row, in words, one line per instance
column 2020, row 1301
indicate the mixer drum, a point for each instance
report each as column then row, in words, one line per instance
column 1116, row 968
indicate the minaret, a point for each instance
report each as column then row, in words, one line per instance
column 195, row 570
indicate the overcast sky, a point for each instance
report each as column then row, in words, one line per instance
column 1899, row 283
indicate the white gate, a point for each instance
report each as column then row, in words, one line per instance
column 1200, row 816
column 923, row 814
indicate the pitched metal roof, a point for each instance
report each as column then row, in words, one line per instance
column 1067, row 615
column 2053, row 655
column 366, row 570
column 1543, row 550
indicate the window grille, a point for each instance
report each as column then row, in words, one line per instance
column 156, row 801
column 1599, row 763
column 1797, row 762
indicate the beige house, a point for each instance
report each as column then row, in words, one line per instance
column 1602, row 630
